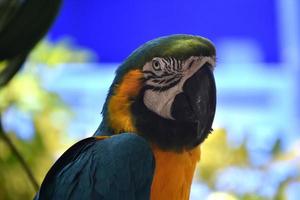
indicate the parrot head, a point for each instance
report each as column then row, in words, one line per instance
column 165, row 92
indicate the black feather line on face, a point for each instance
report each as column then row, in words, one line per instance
column 163, row 88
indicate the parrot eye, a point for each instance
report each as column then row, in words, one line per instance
column 156, row 64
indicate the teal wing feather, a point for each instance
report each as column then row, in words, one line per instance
column 118, row 168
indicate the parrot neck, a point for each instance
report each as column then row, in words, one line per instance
column 173, row 173
column 117, row 115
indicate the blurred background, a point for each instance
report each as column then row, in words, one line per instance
column 254, row 152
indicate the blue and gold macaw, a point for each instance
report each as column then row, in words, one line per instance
column 159, row 109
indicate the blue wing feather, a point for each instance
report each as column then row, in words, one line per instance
column 120, row 167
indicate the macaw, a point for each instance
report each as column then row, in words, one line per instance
column 159, row 109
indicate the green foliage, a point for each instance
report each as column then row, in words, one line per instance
column 49, row 114
column 59, row 52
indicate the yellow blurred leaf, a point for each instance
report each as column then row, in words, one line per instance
column 217, row 154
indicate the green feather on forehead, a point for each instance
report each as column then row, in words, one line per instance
column 178, row 46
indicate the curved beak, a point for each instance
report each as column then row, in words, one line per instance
column 197, row 102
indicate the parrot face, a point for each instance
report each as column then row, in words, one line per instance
column 165, row 78
column 165, row 91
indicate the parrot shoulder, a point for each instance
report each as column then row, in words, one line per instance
column 116, row 167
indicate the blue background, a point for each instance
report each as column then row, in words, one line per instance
column 113, row 29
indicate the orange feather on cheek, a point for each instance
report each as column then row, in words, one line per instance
column 120, row 117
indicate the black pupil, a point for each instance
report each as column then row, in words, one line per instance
column 156, row 64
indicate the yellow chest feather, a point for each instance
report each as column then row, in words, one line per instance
column 173, row 174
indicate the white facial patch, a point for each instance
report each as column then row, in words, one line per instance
column 165, row 78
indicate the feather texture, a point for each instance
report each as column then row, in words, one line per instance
column 119, row 167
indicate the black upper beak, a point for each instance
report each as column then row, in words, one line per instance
column 197, row 102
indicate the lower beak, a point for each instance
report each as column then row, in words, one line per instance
column 197, row 102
